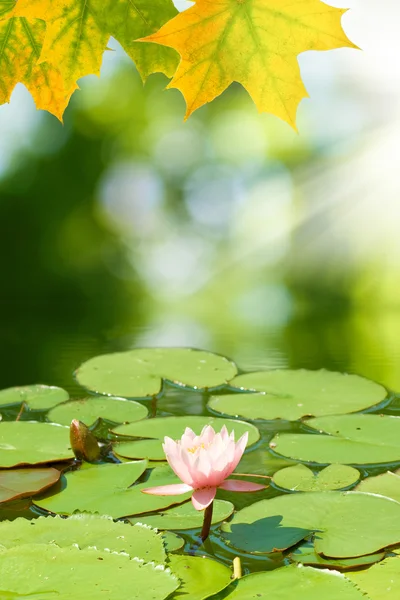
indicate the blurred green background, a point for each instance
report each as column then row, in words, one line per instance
column 128, row 227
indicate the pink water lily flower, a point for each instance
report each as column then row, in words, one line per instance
column 203, row 462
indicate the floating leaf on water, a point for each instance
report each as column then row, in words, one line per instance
column 157, row 429
column 353, row 439
column 381, row 581
column 294, row 583
column 172, row 541
column 107, row 489
column 36, row 397
column 86, row 530
column 83, row 443
column 306, row 555
column 32, row 443
column 47, row 571
column 387, row 484
column 301, row 479
column 186, row 516
column 292, row 395
column 200, row 577
column 89, row 410
column 348, row 524
column 23, row 483
column 139, row 373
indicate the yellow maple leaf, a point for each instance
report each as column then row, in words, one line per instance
column 78, row 32
column 74, row 42
column 253, row 42
column 20, row 43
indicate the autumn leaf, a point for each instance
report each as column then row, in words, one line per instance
column 128, row 20
column 78, row 32
column 74, row 42
column 253, row 42
column 20, row 44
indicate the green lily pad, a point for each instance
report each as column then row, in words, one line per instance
column 32, row 443
column 37, row 397
column 295, row 583
column 150, row 449
column 352, row 439
column 23, row 483
column 306, row 555
column 174, row 427
column 172, row 541
column 300, row 478
column 89, row 410
column 200, row 577
column 346, row 524
column 86, row 530
column 139, row 373
column 292, row 395
column 387, row 484
column 187, row 517
column 380, row 582
column 47, row 571
column 107, row 489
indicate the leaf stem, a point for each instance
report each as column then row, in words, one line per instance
column 207, row 522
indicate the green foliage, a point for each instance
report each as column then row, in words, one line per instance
column 292, row 395
column 31, row 443
column 108, row 490
column 22, row 483
column 89, row 410
column 45, row 571
column 349, row 524
column 351, row 439
column 301, row 479
column 139, row 373
column 85, row 531
column 35, row 397
column 293, row 583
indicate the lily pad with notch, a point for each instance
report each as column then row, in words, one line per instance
column 33, row 443
column 23, row 483
column 292, row 395
column 36, row 397
column 88, row 410
column 86, row 530
column 200, row 577
column 108, row 489
column 343, row 524
column 294, row 583
column 363, row 439
column 156, row 429
column 386, row 484
column 306, row 555
column 139, row 373
column 44, row 571
column 381, row 581
column 300, row 478
column 172, row 541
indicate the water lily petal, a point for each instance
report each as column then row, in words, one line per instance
column 207, row 435
column 173, row 489
column 179, row 467
column 203, row 498
column 237, row 485
column 240, row 448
